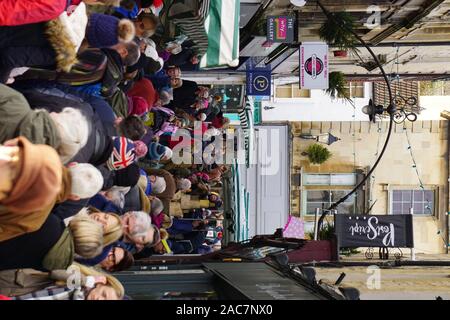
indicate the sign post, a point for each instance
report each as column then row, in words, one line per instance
column 314, row 65
column 413, row 252
column 316, row 217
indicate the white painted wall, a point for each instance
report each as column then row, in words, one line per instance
column 319, row 107
column 434, row 105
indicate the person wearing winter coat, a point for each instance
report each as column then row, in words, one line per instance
column 137, row 200
column 118, row 56
column 139, row 232
column 53, row 245
column 54, row 98
column 137, row 106
column 111, row 223
column 145, row 89
column 18, row 12
column 145, row 25
column 25, row 206
column 184, row 96
column 192, row 243
column 126, row 177
column 58, row 41
column 114, row 258
column 30, row 284
column 162, row 78
column 66, row 131
column 186, row 60
column 28, row 183
column 157, row 118
column 132, row 127
column 170, row 186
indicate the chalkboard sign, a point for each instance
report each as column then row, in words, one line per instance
column 355, row 231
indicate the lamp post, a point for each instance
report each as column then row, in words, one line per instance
column 373, row 110
column 325, row 138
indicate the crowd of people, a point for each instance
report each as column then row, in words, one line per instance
column 91, row 105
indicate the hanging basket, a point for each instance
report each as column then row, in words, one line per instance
column 340, row 53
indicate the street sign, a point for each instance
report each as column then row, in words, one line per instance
column 314, row 65
column 259, row 83
column 281, row 29
column 353, row 231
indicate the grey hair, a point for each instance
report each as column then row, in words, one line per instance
column 157, row 206
column 143, row 223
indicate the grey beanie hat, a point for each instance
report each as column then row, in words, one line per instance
column 159, row 186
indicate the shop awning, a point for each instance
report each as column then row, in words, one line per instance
column 247, row 126
column 190, row 17
column 222, row 28
column 213, row 26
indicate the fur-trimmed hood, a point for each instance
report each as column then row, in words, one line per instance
column 65, row 34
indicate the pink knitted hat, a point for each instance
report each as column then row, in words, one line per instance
column 140, row 148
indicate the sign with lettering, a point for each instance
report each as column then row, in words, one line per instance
column 314, row 65
column 355, row 231
column 259, row 83
column 281, row 29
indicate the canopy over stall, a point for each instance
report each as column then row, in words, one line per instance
column 213, row 26
column 222, row 27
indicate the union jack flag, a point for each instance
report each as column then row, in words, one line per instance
column 123, row 153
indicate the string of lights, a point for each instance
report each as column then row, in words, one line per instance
column 414, row 163
column 405, row 130
column 391, row 110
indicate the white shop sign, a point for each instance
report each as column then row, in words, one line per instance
column 314, row 65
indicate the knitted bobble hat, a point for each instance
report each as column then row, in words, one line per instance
column 106, row 31
column 156, row 151
column 140, row 148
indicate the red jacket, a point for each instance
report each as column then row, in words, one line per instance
column 144, row 88
column 18, row 12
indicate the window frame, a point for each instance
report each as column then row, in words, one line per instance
column 330, row 190
column 326, row 187
column 433, row 189
column 352, row 86
column 292, row 88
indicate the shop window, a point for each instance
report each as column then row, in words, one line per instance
column 421, row 202
column 324, row 198
column 333, row 179
column 355, row 89
column 291, row 91
column 435, row 88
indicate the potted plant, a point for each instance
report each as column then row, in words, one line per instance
column 317, row 153
column 336, row 32
column 337, row 86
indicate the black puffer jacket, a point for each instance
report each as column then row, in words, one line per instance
column 53, row 99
